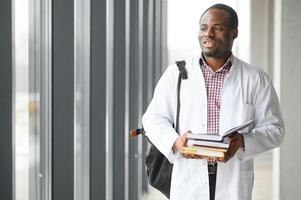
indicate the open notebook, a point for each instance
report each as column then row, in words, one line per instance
column 217, row 137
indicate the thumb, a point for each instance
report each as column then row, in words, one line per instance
column 185, row 137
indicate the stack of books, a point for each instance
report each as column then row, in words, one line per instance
column 211, row 145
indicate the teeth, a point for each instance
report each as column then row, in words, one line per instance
column 208, row 44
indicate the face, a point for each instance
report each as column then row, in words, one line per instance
column 215, row 35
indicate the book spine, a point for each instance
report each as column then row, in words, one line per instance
column 207, row 143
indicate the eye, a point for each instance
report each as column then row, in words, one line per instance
column 218, row 28
column 203, row 28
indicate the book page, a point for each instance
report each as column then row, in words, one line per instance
column 217, row 137
column 238, row 128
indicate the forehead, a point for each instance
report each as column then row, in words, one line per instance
column 214, row 16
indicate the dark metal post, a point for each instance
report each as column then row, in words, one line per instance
column 63, row 98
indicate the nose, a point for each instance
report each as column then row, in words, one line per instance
column 209, row 32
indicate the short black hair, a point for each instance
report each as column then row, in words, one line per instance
column 233, row 19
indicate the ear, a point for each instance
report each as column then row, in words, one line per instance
column 235, row 33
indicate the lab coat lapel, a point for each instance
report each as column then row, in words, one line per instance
column 228, row 102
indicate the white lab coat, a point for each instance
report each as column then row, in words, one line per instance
column 247, row 94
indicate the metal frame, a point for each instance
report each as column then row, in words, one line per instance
column 127, row 98
column 44, row 94
column 141, row 68
column 150, row 50
column 157, row 41
column 109, row 97
column 277, row 62
column 145, row 93
column 82, row 99
column 46, row 102
column 34, row 77
column 13, row 117
column 164, row 25
column 40, row 78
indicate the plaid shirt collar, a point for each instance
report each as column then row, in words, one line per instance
column 224, row 69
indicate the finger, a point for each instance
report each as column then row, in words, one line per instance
column 225, row 160
column 192, row 156
column 234, row 136
column 184, row 137
column 228, row 155
column 186, row 141
column 187, row 132
column 187, row 156
column 238, row 136
column 230, row 135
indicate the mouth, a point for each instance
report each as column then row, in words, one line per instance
column 209, row 43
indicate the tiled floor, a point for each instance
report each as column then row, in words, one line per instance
column 262, row 183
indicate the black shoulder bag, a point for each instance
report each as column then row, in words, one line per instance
column 158, row 168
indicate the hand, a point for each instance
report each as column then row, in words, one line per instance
column 180, row 142
column 236, row 142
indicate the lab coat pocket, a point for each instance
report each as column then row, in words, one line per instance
column 246, row 114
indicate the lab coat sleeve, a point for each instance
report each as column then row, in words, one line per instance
column 268, row 131
column 159, row 117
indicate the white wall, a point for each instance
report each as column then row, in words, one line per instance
column 275, row 46
column 261, row 34
column 290, row 89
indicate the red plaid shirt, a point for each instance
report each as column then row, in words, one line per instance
column 214, row 82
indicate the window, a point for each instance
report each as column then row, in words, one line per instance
column 32, row 99
column 21, row 101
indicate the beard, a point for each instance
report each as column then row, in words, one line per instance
column 211, row 53
column 222, row 49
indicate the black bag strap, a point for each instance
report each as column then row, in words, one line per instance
column 182, row 75
column 181, row 66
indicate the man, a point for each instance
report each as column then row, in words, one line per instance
column 221, row 92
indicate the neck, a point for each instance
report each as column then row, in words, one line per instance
column 216, row 63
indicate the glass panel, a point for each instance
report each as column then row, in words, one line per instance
column 32, row 99
column 21, row 36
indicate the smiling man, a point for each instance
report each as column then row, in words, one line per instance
column 218, row 29
column 221, row 92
